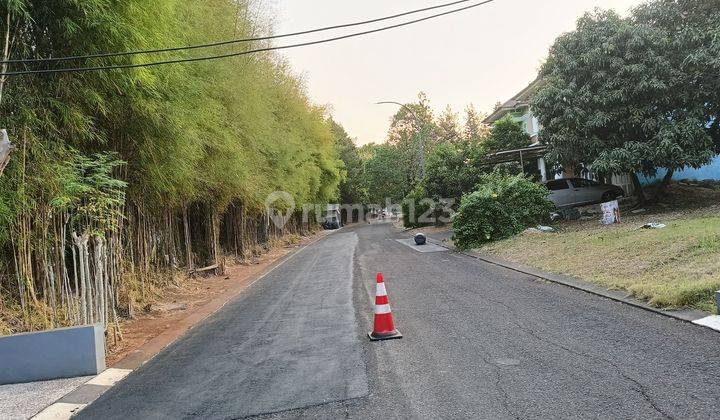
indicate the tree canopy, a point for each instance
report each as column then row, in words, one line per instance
column 385, row 176
column 629, row 95
column 453, row 170
column 352, row 188
column 506, row 134
column 474, row 129
column 125, row 155
column 454, row 152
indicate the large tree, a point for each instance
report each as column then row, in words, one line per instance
column 413, row 133
column 448, row 127
column 506, row 134
column 454, row 170
column 200, row 138
column 474, row 129
column 352, row 187
column 693, row 30
column 385, row 178
column 615, row 96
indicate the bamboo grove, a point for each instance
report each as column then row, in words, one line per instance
column 120, row 180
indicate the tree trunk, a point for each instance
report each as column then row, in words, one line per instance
column 638, row 188
column 100, row 290
column 188, row 246
column 6, row 53
column 80, row 243
column 664, row 184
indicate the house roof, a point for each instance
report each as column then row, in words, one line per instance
column 520, row 100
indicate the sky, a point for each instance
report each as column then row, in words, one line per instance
column 479, row 56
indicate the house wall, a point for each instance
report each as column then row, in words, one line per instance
column 529, row 122
column 709, row 171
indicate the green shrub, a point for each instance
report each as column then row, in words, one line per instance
column 453, row 170
column 414, row 206
column 501, row 206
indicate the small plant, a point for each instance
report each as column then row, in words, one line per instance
column 501, row 206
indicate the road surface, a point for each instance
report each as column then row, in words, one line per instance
column 480, row 341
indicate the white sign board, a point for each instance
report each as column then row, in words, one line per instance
column 611, row 212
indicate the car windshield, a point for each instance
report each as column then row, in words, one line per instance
column 583, row 183
column 558, row 184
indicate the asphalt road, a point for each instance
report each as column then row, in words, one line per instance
column 480, row 341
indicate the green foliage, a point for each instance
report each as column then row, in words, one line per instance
column 474, row 130
column 502, row 206
column 453, row 154
column 448, row 127
column 633, row 94
column 413, row 128
column 692, row 29
column 217, row 131
column 453, row 170
column 506, row 134
column 417, row 209
column 385, row 176
column 137, row 146
column 88, row 188
column 352, row 187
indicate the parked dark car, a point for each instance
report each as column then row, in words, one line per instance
column 571, row 192
column 332, row 222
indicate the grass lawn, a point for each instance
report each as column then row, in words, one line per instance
column 674, row 267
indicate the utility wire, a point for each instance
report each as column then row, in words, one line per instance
column 220, row 43
column 235, row 54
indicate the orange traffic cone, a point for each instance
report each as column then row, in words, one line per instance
column 383, row 328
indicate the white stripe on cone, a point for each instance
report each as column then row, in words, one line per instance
column 382, row 309
column 380, row 290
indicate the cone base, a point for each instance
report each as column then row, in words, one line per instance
column 385, row 336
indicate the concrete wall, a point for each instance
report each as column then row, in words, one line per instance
column 709, row 171
column 59, row 353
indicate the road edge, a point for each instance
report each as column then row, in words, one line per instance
column 693, row 316
column 74, row 401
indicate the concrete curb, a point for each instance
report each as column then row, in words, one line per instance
column 693, row 316
column 74, row 401
column 66, row 352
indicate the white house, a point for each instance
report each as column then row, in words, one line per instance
column 518, row 107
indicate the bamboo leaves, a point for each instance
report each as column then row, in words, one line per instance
column 117, row 172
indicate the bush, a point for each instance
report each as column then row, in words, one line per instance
column 453, row 170
column 502, row 206
column 414, row 206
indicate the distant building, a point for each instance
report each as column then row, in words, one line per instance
column 518, row 108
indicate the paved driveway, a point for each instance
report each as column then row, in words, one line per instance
column 479, row 341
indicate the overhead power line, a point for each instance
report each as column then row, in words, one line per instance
column 228, row 42
column 240, row 53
